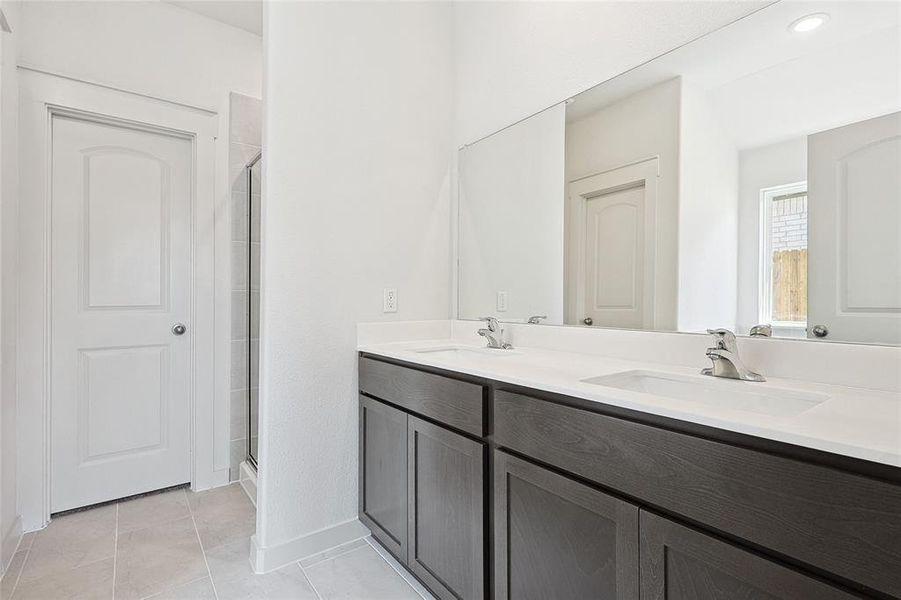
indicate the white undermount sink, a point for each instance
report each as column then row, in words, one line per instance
column 732, row 394
column 462, row 352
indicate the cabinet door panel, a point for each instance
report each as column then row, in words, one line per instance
column 680, row 563
column 557, row 538
column 383, row 474
column 446, row 537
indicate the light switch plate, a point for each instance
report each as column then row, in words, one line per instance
column 501, row 301
column 389, row 300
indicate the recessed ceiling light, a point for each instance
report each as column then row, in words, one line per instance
column 808, row 23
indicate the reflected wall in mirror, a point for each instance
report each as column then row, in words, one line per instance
column 750, row 177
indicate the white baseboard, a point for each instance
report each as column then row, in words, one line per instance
column 271, row 558
column 10, row 544
column 220, row 478
column 213, row 479
column 248, row 481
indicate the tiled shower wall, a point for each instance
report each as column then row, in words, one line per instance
column 245, row 142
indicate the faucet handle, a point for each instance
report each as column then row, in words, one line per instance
column 492, row 323
column 725, row 339
column 536, row 319
column 762, row 331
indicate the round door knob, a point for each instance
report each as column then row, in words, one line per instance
column 820, row 331
column 588, row 321
column 179, row 329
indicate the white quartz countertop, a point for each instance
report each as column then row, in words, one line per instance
column 855, row 422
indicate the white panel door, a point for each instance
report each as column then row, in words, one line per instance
column 854, row 237
column 615, row 257
column 121, row 279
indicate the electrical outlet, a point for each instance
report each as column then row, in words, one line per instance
column 389, row 300
column 501, row 301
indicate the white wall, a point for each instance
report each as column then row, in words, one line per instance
column 161, row 51
column 10, row 526
column 708, row 217
column 153, row 48
column 768, row 166
column 516, row 58
column 511, row 220
column 357, row 131
column 635, row 128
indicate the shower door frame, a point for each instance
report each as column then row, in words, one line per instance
column 250, row 458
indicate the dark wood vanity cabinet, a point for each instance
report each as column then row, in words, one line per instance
column 839, row 523
column 458, row 404
column 446, row 506
column 680, row 563
column 422, row 485
column 558, row 538
column 383, row 473
column 482, row 489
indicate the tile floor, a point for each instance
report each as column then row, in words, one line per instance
column 179, row 545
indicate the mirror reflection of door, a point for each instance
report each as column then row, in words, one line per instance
column 614, row 227
column 855, row 216
column 612, row 243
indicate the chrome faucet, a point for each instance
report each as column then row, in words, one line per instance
column 726, row 362
column 536, row 319
column 494, row 334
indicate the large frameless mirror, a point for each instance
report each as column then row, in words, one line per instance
column 749, row 178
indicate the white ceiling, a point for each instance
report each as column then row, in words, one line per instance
column 243, row 14
column 768, row 84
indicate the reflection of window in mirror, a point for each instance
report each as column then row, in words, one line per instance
column 783, row 258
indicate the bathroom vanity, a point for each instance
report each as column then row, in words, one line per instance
column 483, row 487
column 671, row 198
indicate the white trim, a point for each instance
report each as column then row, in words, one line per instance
column 644, row 173
column 764, row 249
column 24, row 67
column 265, row 560
column 248, row 480
column 42, row 96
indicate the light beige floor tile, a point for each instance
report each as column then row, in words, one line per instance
column 235, row 580
column 230, row 561
column 74, row 526
column 27, row 540
column 70, row 541
column 154, row 509
column 202, row 589
column 157, row 558
column 359, row 574
column 224, row 527
column 12, row 574
column 217, row 498
column 87, row 582
column 286, row 583
column 223, row 515
column 332, row 552
column 404, row 573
